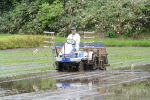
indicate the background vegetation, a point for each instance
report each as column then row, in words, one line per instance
column 24, row 41
column 9, row 41
column 112, row 18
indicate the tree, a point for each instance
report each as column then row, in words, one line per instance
column 49, row 14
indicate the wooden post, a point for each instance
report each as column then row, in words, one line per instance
column 51, row 42
column 87, row 35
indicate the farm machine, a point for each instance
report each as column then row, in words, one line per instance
column 91, row 55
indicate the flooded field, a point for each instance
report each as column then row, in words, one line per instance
column 88, row 85
column 28, row 77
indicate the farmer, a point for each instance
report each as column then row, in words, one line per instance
column 76, row 37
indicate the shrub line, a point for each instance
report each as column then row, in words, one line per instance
column 32, row 41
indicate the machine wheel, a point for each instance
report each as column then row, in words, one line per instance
column 94, row 65
column 94, row 59
column 102, row 66
column 59, row 68
column 81, row 66
column 104, row 59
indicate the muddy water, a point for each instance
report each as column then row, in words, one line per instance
column 120, row 84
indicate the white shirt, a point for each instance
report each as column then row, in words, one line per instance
column 75, row 37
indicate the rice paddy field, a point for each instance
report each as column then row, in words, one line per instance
column 32, row 77
column 19, row 61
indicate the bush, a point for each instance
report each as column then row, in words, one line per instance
column 102, row 16
column 112, row 34
column 24, row 41
column 31, row 41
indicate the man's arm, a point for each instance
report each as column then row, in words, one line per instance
column 78, row 39
column 69, row 37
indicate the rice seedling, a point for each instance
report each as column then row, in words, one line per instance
column 132, row 90
column 35, row 51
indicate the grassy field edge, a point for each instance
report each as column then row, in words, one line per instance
column 31, row 41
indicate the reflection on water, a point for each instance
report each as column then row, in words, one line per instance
column 132, row 72
column 85, row 86
column 36, row 84
column 132, row 67
column 123, row 83
column 81, row 84
column 35, row 88
column 17, row 86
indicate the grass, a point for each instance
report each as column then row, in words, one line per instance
column 119, row 42
column 9, row 41
column 122, row 42
column 5, row 35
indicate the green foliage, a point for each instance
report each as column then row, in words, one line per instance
column 5, row 35
column 112, row 34
column 18, row 19
column 48, row 14
column 25, row 41
column 127, row 17
column 30, row 41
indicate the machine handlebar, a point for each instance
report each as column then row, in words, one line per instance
column 71, row 41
